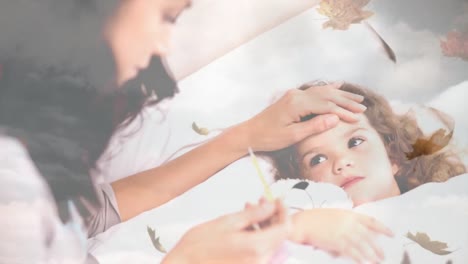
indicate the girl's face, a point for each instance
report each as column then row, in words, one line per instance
column 353, row 157
column 140, row 29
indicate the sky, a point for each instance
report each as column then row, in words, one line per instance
column 434, row 15
column 299, row 50
column 243, row 82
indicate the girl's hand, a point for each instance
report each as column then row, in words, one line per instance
column 341, row 232
column 231, row 238
column 279, row 125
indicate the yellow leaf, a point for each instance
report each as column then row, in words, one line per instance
column 436, row 142
column 321, row 11
column 200, row 130
column 342, row 13
column 425, row 242
column 155, row 240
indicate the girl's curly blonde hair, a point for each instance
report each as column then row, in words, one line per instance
column 403, row 140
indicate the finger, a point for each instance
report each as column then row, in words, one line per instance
column 342, row 113
column 313, row 126
column 282, row 212
column 367, row 247
column 334, row 85
column 377, row 250
column 280, row 217
column 349, row 104
column 352, row 96
column 360, row 239
column 270, row 238
column 250, row 216
column 377, row 226
column 355, row 97
column 355, row 255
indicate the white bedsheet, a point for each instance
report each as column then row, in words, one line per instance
column 437, row 209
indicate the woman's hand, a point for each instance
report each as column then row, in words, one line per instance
column 341, row 232
column 231, row 238
column 279, row 125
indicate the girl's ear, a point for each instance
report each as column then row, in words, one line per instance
column 395, row 168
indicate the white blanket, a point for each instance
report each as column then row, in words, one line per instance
column 438, row 209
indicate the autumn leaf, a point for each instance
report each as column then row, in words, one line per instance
column 200, row 130
column 424, row 241
column 436, row 142
column 155, row 240
column 388, row 50
column 455, row 45
column 343, row 13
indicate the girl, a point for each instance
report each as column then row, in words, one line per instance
column 371, row 159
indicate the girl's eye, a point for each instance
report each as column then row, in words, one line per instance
column 354, row 142
column 317, row 160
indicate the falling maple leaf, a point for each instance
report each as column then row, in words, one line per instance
column 436, row 142
column 155, row 240
column 343, row 13
column 425, row 242
column 200, row 130
column 455, row 45
column 388, row 50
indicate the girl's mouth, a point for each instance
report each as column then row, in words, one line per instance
column 350, row 182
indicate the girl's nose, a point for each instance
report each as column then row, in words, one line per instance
column 342, row 164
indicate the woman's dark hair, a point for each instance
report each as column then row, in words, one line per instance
column 399, row 133
column 64, row 115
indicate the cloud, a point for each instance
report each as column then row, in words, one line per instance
column 434, row 15
column 240, row 84
column 300, row 50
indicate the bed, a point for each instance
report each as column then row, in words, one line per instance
column 436, row 210
column 224, row 93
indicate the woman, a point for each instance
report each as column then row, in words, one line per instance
column 371, row 159
column 70, row 78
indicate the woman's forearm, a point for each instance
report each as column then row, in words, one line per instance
column 152, row 188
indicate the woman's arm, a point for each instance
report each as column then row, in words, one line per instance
column 154, row 187
column 276, row 127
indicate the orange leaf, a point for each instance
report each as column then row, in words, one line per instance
column 343, row 13
column 424, row 241
column 436, row 142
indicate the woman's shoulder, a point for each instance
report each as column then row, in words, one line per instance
column 29, row 216
column 19, row 178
